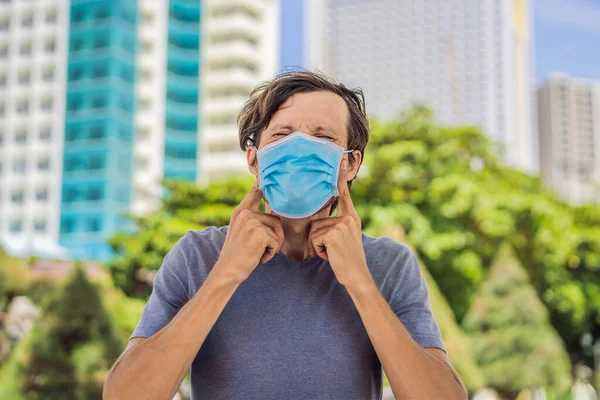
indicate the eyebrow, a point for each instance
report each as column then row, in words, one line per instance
column 319, row 128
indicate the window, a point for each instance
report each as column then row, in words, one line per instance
column 46, row 103
column 4, row 24
column 50, row 45
column 44, row 164
column 16, row 226
column 76, row 45
column 148, row 17
column 2, row 109
column 22, row 106
column 96, row 162
column 27, row 20
column 70, row 195
column 98, row 102
column 17, row 196
column 3, row 51
column 97, row 132
column 144, row 104
column 24, row 77
column 1, row 137
column 94, row 225
column 48, row 74
column 41, row 194
column 99, row 72
column 18, row 167
column 67, row 225
column 45, row 133
column 102, row 13
column 100, row 42
column 74, row 104
column 3, row 80
column 25, row 49
column 51, row 15
column 95, row 194
column 72, row 134
column 77, row 16
column 39, row 225
column 75, row 74
column 145, row 74
column 21, row 136
column 147, row 46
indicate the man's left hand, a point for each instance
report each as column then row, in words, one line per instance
column 339, row 240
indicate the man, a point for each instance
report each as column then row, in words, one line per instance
column 292, row 303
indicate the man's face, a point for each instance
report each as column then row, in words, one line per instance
column 321, row 114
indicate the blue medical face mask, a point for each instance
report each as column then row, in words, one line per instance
column 299, row 174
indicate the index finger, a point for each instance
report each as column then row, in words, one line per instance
column 345, row 204
column 252, row 199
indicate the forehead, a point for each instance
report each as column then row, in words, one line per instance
column 306, row 111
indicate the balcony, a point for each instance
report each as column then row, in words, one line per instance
column 256, row 6
column 234, row 50
column 218, row 137
column 228, row 24
column 222, row 165
column 237, row 76
column 223, row 105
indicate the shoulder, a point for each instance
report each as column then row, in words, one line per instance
column 193, row 256
column 391, row 263
column 385, row 249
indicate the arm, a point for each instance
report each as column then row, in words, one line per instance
column 164, row 358
column 153, row 368
column 413, row 372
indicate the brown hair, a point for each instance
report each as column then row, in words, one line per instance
column 268, row 98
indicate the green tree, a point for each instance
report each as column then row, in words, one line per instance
column 186, row 206
column 71, row 348
column 512, row 338
column 448, row 189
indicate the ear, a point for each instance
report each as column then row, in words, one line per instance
column 252, row 160
column 349, row 172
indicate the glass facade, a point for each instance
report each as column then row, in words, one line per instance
column 99, row 133
column 182, row 90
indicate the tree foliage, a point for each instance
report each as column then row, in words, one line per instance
column 512, row 338
column 185, row 207
column 447, row 187
column 71, row 348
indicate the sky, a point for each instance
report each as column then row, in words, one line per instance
column 567, row 38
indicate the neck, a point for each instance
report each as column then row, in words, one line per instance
column 296, row 246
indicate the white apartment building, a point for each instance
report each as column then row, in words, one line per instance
column 466, row 59
column 33, row 56
column 239, row 51
column 569, row 126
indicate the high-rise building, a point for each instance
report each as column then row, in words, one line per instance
column 569, row 126
column 33, row 57
column 466, row 59
column 99, row 125
column 100, row 100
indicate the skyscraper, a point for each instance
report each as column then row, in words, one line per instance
column 99, row 128
column 569, row 124
column 33, row 57
column 466, row 59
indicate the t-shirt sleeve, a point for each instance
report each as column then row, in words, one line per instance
column 410, row 302
column 169, row 292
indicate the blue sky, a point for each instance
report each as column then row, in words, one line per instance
column 567, row 38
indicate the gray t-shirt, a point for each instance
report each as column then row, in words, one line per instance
column 290, row 331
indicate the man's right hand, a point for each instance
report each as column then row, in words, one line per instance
column 252, row 237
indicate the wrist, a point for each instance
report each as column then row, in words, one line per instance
column 225, row 276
